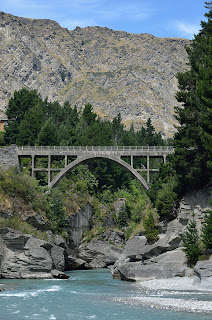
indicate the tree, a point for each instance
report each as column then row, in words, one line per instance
column 192, row 142
column 117, row 129
column 166, row 199
column 88, row 115
column 207, row 231
column 151, row 231
column 30, row 126
column 48, row 134
column 22, row 101
column 191, row 243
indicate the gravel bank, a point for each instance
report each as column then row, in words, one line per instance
column 177, row 294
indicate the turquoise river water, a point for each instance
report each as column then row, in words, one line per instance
column 89, row 295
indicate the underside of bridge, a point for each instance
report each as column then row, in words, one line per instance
column 76, row 162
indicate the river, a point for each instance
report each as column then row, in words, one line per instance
column 93, row 295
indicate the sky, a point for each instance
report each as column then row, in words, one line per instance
column 161, row 18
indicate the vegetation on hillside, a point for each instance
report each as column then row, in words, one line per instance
column 193, row 141
column 33, row 121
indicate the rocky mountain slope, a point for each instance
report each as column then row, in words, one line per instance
column 115, row 71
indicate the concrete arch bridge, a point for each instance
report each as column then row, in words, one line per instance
column 79, row 154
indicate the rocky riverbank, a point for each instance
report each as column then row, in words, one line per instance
column 25, row 256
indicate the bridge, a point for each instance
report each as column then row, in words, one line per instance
column 79, row 154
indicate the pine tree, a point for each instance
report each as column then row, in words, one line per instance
column 191, row 243
column 22, row 101
column 30, row 126
column 192, row 142
column 48, row 134
column 151, row 231
column 207, row 232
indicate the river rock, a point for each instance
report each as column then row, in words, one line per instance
column 99, row 254
column 57, row 255
column 167, row 265
column 135, row 247
column 25, row 256
column 74, row 263
column 203, row 273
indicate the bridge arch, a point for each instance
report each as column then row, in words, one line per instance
column 81, row 159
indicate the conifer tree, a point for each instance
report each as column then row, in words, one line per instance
column 191, row 243
column 22, row 101
column 192, row 142
column 207, row 231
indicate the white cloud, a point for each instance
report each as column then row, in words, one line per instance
column 187, row 29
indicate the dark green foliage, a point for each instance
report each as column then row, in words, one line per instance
column 2, row 139
column 36, row 121
column 48, row 134
column 122, row 218
column 22, row 101
column 191, row 243
column 151, row 231
column 166, row 199
column 57, row 214
column 31, row 125
column 88, row 114
column 207, row 232
column 192, row 142
column 164, row 192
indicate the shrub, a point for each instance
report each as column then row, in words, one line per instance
column 151, row 231
column 122, row 217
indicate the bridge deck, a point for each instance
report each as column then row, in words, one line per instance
column 80, row 150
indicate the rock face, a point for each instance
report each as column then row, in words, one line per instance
column 194, row 206
column 78, row 224
column 203, row 273
column 115, row 71
column 24, row 256
column 8, row 156
column 165, row 258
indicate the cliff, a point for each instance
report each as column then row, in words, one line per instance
column 115, row 71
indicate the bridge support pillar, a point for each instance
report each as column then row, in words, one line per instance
column 147, row 166
column 18, row 163
column 164, row 159
column 131, row 161
column 33, row 165
column 49, row 168
column 66, row 160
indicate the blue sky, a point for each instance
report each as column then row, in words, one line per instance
column 161, row 18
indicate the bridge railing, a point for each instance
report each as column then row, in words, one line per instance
column 76, row 149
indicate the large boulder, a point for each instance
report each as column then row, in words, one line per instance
column 203, row 273
column 99, row 254
column 25, row 256
column 58, row 259
column 166, row 265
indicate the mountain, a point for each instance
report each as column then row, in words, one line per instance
column 115, row 71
